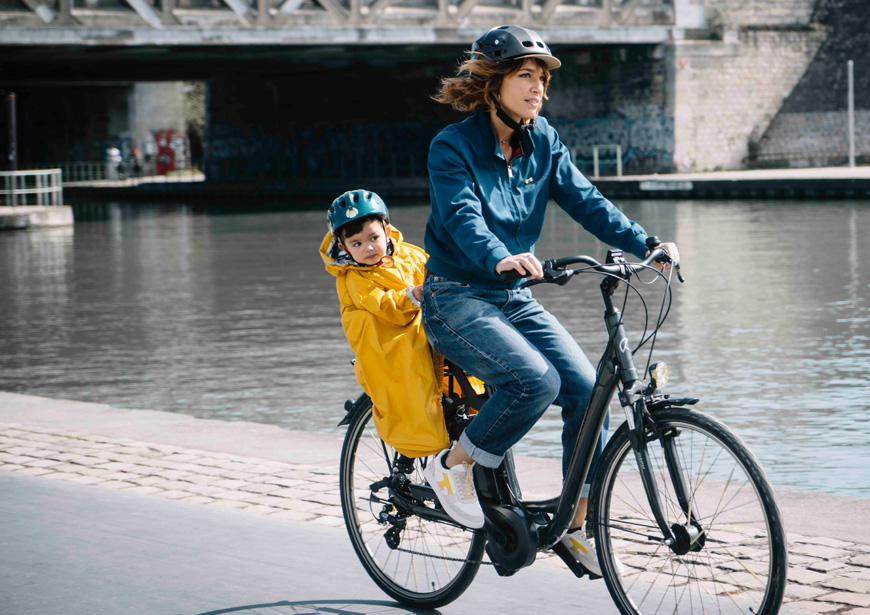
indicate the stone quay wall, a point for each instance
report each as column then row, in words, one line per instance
column 725, row 93
column 811, row 128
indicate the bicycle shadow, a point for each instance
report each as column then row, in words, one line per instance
column 324, row 607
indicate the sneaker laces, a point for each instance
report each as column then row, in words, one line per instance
column 465, row 483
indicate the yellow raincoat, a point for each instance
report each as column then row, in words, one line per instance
column 394, row 363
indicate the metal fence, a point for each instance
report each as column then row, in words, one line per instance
column 39, row 187
column 581, row 162
column 81, row 171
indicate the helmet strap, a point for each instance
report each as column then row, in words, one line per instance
column 508, row 120
column 522, row 129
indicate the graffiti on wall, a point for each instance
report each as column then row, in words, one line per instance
column 401, row 149
column 647, row 142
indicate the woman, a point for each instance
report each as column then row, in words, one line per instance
column 491, row 177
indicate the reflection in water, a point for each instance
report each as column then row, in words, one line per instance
column 227, row 314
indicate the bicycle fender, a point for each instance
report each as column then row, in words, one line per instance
column 671, row 403
column 354, row 408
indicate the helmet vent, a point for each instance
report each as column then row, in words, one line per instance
column 528, row 44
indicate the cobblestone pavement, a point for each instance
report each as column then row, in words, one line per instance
column 825, row 576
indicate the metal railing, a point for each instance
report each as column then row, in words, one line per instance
column 596, row 158
column 39, row 187
column 80, row 171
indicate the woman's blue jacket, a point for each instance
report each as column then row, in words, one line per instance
column 484, row 210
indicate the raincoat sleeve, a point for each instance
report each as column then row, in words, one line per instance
column 390, row 305
column 457, row 207
column 585, row 204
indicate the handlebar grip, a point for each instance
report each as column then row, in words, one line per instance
column 512, row 274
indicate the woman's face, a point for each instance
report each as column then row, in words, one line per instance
column 522, row 92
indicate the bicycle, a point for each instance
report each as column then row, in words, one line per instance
column 677, row 498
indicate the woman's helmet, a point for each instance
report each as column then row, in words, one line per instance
column 354, row 204
column 513, row 43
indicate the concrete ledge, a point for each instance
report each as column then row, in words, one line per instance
column 818, row 183
column 35, row 216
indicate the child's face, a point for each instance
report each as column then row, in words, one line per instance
column 368, row 246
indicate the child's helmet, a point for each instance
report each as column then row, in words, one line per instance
column 512, row 43
column 354, row 204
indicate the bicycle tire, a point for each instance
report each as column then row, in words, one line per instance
column 435, row 562
column 738, row 565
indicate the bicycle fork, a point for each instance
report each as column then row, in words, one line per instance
column 633, row 398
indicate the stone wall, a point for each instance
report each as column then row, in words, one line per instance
column 773, row 91
column 725, row 93
column 730, row 14
column 614, row 96
column 811, row 128
column 368, row 122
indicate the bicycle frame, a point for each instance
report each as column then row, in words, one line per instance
column 498, row 489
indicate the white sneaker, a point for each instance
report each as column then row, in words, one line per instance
column 454, row 488
column 583, row 550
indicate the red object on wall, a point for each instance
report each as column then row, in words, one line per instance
column 165, row 153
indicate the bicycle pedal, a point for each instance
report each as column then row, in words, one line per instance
column 573, row 565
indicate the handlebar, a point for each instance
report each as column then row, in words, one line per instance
column 555, row 272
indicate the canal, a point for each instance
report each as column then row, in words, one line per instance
column 224, row 313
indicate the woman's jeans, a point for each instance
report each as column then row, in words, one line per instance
column 508, row 340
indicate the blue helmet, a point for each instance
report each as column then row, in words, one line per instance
column 354, row 204
column 512, row 43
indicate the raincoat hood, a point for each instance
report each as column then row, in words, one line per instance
column 337, row 261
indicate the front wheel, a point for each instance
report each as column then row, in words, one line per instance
column 419, row 562
column 730, row 554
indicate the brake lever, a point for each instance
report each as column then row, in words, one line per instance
column 654, row 242
column 558, row 276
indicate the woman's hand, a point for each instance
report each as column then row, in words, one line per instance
column 417, row 291
column 526, row 264
column 673, row 252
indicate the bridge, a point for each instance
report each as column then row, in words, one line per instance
column 330, row 22
column 302, row 90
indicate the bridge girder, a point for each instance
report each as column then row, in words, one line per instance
column 335, row 22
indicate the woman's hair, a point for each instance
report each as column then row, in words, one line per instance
column 478, row 81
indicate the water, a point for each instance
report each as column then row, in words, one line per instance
column 226, row 314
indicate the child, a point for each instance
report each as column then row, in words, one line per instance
column 379, row 282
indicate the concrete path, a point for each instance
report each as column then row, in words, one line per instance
column 289, row 478
column 76, row 550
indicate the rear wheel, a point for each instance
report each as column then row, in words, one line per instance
column 730, row 556
column 418, row 562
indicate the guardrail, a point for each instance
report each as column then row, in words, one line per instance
column 80, row 171
column 39, row 187
column 596, row 159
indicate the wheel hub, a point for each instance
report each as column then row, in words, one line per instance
column 691, row 538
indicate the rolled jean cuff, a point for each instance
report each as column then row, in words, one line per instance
column 487, row 460
column 584, row 492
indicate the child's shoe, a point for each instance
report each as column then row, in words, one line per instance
column 454, row 488
column 583, row 550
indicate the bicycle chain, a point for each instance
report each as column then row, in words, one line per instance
column 447, row 559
